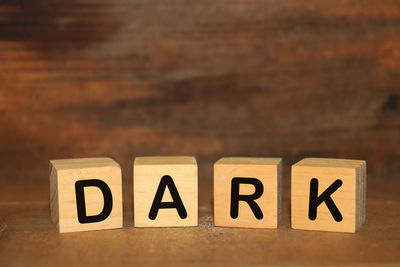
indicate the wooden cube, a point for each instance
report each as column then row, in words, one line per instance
column 85, row 194
column 328, row 194
column 247, row 192
column 165, row 191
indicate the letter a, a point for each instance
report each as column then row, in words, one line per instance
column 166, row 181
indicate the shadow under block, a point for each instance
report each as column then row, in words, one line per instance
column 66, row 174
column 348, row 194
column 267, row 171
column 173, row 180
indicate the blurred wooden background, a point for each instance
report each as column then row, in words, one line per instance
column 205, row 78
column 122, row 78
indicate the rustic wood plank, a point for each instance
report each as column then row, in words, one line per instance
column 216, row 78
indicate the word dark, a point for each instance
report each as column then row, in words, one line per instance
column 326, row 194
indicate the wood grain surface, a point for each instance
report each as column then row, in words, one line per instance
column 121, row 78
column 27, row 237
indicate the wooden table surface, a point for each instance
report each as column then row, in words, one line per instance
column 27, row 236
column 212, row 78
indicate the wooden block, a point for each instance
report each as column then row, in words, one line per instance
column 85, row 194
column 328, row 194
column 165, row 191
column 258, row 182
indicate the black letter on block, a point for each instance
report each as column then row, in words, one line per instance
column 235, row 197
column 316, row 200
column 166, row 181
column 81, row 205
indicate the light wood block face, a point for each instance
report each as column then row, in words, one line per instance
column 167, row 180
column 68, row 176
column 240, row 173
column 345, row 183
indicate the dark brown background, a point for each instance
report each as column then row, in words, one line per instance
column 204, row 78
